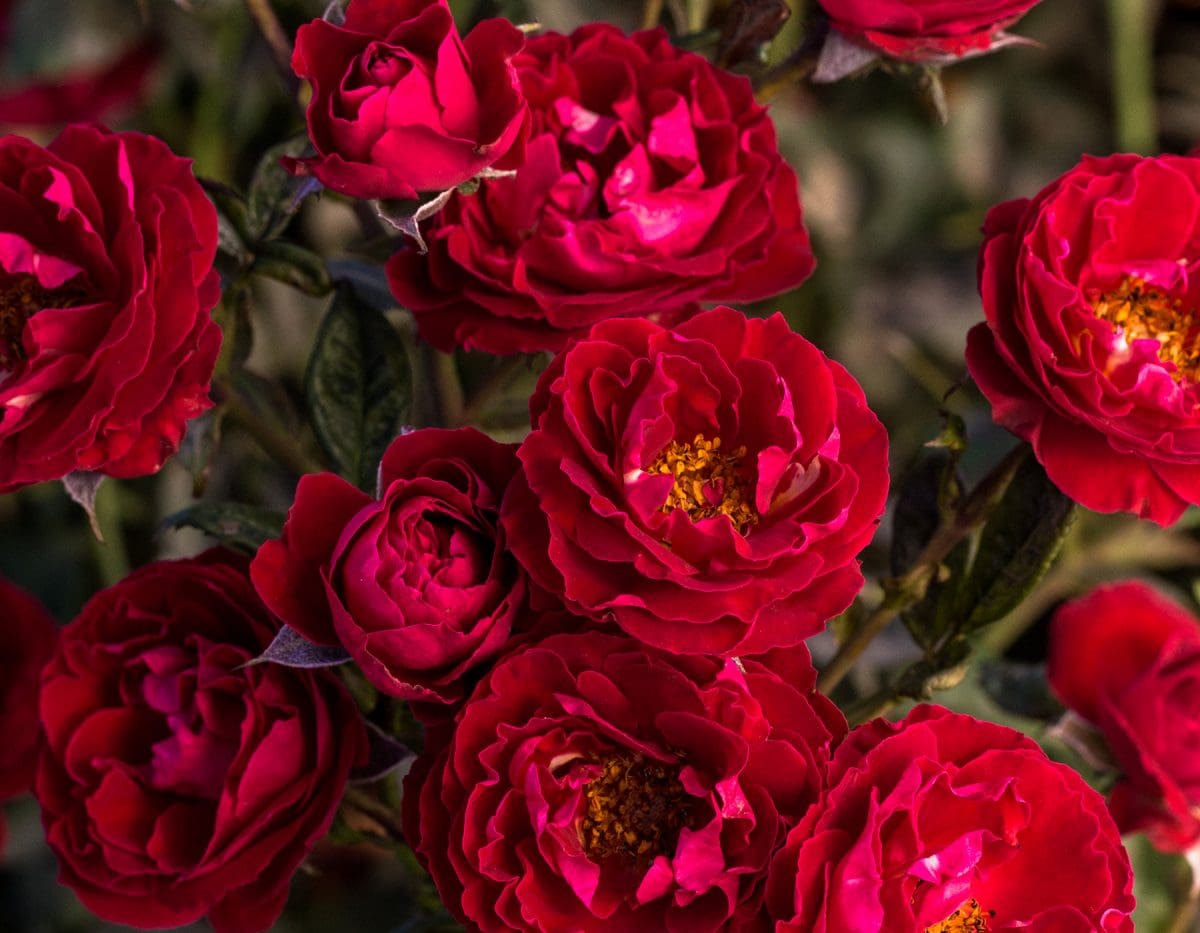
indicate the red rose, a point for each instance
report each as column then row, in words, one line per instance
column 401, row 104
column 1090, row 350
column 417, row 585
column 934, row 31
column 1128, row 660
column 652, row 181
column 27, row 637
column 106, row 281
column 175, row 781
column 707, row 488
column 591, row 783
column 81, row 95
column 944, row 823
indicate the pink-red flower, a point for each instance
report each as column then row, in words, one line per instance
column 943, row 823
column 1091, row 350
column 933, row 31
column 401, row 104
column 593, row 784
column 707, row 488
column 107, row 346
column 418, row 585
column 1128, row 660
column 652, row 181
column 27, row 637
column 175, row 781
column 79, row 95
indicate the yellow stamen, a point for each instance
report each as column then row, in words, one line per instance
column 970, row 918
column 708, row 481
column 1138, row 311
column 635, row 808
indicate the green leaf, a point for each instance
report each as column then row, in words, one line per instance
column 358, row 385
column 293, row 265
column 241, row 527
column 1017, row 546
column 928, row 494
column 275, row 195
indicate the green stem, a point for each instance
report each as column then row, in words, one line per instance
column 907, row 590
column 652, row 12
column 274, row 440
column 272, row 32
column 111, row 555
column 1131, row 36
column 446, row 395
column 496, row 382
column 797, row 66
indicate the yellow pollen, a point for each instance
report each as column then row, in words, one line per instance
column 970, row 918
column 634, row 810
column 708, row 481
column 1138, row 311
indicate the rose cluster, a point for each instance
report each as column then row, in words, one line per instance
column 598, row 629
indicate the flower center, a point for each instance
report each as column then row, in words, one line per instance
column 708, row 481
column 635, row 809
column 1138, row 311
column 970, row 918
column 20, row 298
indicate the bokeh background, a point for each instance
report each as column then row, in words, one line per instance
column 894, row 201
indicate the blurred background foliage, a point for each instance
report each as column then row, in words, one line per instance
column 894, row 202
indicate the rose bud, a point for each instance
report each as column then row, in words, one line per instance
column 927, row 31
column 652, row 181
column 591, row 784
column 1091, row 349
column 28, row 638
column 418, row 585
column 942, row 823
column 401, row 104
column 176, row 780
column 1128, row 661
column 107, row 346
column 708, row 489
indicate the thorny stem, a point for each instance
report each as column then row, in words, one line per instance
column 272, row 32
column 274, row 440
column 908, row 589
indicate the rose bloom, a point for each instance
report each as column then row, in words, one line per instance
column 81, row 94
column 707, row 488
column 1128, row 660
column 106, row 282
column 401, row 104
column 652, row 181
column 418, row 585
column 1091, row 350
column 592, row 783
column 26, row 643
column 945, row 824
column 927, row 31
column 175, row 781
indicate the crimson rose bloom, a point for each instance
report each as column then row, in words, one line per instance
column 175, row 781
column 1128, row 660
column 27, row 637
column 593, row 784
column 402, row 105
column 943, row 823
column 652, row 181
column 1091, row 350
column 707, row 488
column 933, row 31
column 106, row 281
column 418, row 585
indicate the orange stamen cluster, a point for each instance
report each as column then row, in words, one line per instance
column 708, row 481
column 635, row 809
column 970, row 918
column 1138, row 311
